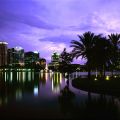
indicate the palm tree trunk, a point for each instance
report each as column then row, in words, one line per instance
column 89, row 70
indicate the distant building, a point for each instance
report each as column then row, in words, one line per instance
column 31, row 57
column 42, row 62
column 3, row 53
column 16, row 56
column 55, row 59
column 10, row 56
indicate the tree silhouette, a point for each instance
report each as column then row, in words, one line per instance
column 84, row 47
column 102, row 53
column 115, row 41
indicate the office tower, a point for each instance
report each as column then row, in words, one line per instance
column 15, row 56
column 3, row 53
column 10, row 56
column 31, row 57
column 19, row 55
column 55, row 57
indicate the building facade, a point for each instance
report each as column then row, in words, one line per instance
column 31, row 57
column 3, row 53
column 16, row 56
column 55, row 61
column 55, row 57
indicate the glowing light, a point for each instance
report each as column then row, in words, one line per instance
column 29, row 76
column 18, row 48
column 55, row 89
column 23, row 77
column 11, row 76
column 21, row 64
column 46, row 76
column 36, row 91
column 115, row 76
column 37, row 63
column 95, row 79
column 57, row 77
column 41, row 75
column 60, row 78
column 4, row 43
column 5, row 77
column 107, row 77
column 36, row 52
column 17, row 76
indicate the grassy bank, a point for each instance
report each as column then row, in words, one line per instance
column 101, row 85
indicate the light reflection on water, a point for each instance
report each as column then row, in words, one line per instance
column 26, row 86
column 51, row 82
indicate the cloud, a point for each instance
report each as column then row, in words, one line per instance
column 60, row 38
column 48, row 25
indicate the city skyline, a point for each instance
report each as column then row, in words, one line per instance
column 17, row 57
column 6, row 51
column 49, row 25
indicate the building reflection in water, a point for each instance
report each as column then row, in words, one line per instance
column 54, row 77
column 18, row 94
column 15, row 82
column 56, row 82
column 43, row 78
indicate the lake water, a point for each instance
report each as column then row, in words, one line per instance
column 25, row 93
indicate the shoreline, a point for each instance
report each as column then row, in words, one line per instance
column 107, row 87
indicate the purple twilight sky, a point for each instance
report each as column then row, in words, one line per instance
column 50, row 25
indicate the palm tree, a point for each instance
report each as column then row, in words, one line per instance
column 66, row 58
column 102, row 53
column 84, row 47
column 115, row 41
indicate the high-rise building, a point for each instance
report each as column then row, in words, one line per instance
column 10, row 55
column 16, row 55
column 3, row 53
column 31, row 57
column 19, row 55
column 55, row 57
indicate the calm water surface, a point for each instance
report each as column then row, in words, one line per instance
column 25, row 93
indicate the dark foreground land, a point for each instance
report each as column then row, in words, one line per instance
column 103, row 85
